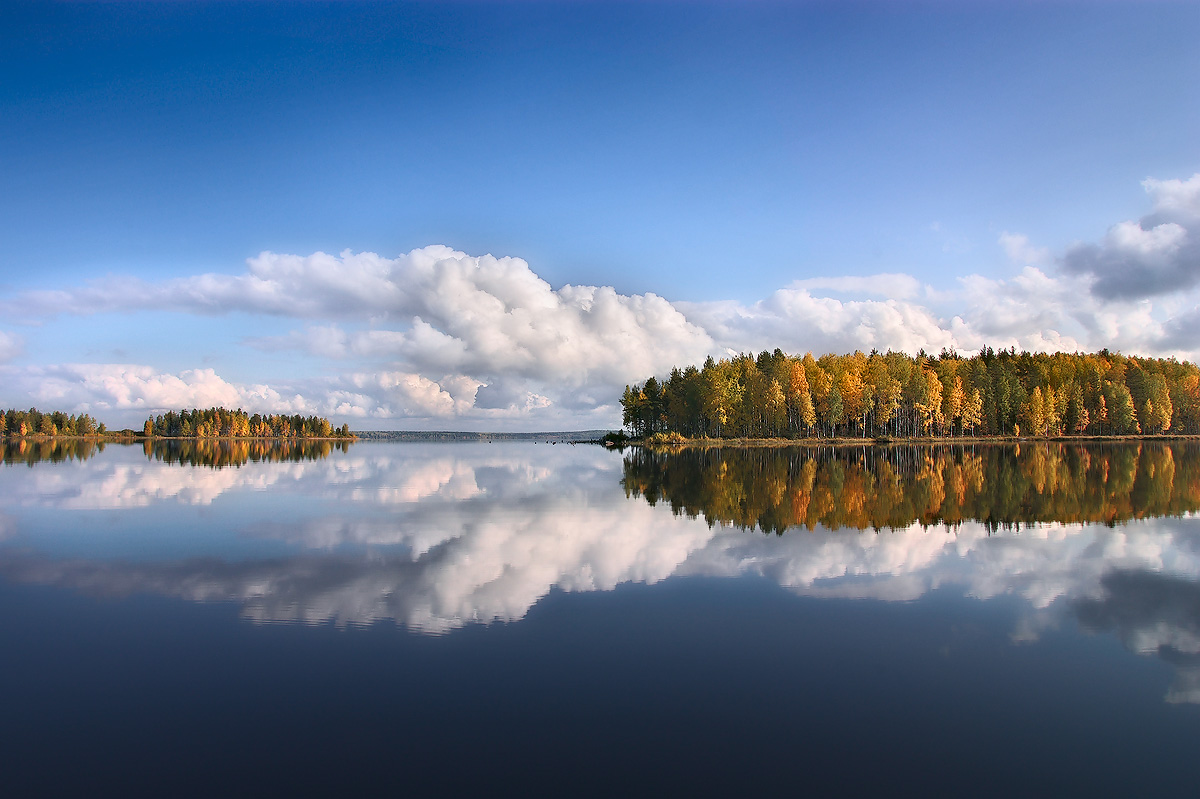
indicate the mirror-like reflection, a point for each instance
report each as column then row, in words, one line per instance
column 1002, row 486
column 221, row 452
column 437, row 536
column 54, row 450
column 214, row 452
column 1153, row 614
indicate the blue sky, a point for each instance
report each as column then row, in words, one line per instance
column 1022, row 171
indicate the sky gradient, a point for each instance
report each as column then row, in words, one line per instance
column 495, row 215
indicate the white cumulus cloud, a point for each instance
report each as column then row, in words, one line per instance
column 437, row 334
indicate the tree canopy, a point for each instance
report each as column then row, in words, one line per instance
column 209, row 423
column 20, row 424
column 223, row 423
column 894, row 394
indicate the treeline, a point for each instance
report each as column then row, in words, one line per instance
column 1002, row 486
column 893, row 394
column 209, row 423
column 223, row 423
column 19, row 424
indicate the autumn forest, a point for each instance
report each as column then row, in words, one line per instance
column 897, row 395
column 194, row 424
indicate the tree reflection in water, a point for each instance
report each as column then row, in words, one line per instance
column 216, row 453
column 221, row 452
column 1002, row 486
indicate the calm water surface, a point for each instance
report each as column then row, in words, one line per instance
column 416, row 619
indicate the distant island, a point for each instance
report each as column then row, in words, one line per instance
column 895, row 395
column 213, row 422
column 24, row 424
column 222, row 423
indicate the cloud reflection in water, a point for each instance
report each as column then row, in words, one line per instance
column 435, row 537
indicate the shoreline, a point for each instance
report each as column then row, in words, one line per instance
column 844, row 441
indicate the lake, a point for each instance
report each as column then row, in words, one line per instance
column 427, row 619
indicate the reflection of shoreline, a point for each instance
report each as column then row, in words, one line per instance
column 55, row 449
column 1004, row 487
column 214, row 452
column 221, row 452
column 907, row 441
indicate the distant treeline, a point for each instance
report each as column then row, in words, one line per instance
column 209, row 423
column 19, row 424
column 223, row 423
column 992, row 393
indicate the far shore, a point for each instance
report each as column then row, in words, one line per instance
column 687, row 443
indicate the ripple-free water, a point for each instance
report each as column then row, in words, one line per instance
column 424, row 619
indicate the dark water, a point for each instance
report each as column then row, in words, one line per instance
column 406, row 619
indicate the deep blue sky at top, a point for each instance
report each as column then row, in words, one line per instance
column 700, row 151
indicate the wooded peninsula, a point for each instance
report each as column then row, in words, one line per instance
column 992, row 393
column 198, row 424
